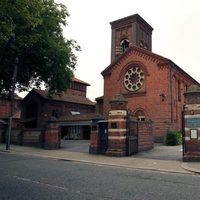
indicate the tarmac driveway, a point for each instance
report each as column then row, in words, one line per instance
column 75, row 145
column 160, row 152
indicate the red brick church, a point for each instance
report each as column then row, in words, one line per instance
column 152, row 84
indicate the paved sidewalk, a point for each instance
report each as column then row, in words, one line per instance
column 173, row 166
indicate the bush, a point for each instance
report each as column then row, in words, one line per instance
column 173, row 138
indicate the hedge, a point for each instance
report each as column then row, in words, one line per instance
column 173, row 138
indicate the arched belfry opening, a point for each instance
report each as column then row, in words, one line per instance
column 124, row 44
column 31, row 115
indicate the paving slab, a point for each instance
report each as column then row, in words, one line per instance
column 191, row 166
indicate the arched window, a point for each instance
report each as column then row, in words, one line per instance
column 140, row 115
column 124, row 44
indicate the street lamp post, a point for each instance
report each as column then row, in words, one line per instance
column 12, row 103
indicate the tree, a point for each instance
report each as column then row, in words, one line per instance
column 32, row 32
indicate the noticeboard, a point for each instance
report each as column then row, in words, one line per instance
column 193, row 134
column 192, row 122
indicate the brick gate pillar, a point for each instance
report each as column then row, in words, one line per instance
column 117, row 126
column 191, row 145
column 51, row 136
column 94, row 139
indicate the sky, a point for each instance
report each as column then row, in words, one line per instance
column 176, row 33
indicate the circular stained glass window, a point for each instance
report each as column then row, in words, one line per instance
column 134, row 79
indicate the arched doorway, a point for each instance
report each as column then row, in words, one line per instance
column 31, row 115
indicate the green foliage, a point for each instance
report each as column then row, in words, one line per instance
column 174, row 138
column 32, row 31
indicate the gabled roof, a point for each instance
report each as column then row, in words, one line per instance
column 99, row 98
column 160, row 60
column 79, row 81
column 131, row 49
column 66, row 97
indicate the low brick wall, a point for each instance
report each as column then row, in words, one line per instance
column 145, row 136
column 94, row 140
column 15, row 136
column 160, row 130
column 123, row 140
column 32, row 137
column 48, row 138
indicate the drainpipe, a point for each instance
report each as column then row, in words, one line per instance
column 183, row 131
column 171, row 94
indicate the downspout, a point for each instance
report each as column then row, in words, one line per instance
column 171, row 94
column 183, row 131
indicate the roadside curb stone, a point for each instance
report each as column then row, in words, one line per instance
column 189, row 168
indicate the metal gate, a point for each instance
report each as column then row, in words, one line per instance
column 183, row 133
column 132, row 137
column 103, row 140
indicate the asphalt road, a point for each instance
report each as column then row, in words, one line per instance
column 26, row 177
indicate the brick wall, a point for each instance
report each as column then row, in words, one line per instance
column 5, row 111
column 5, row 106
column 26, row 137
column 145, row 136
column 52, row 137
column 94, row 139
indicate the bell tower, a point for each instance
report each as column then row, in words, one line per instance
column 131, row 30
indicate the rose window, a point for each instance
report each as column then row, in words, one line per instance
column 134, row 79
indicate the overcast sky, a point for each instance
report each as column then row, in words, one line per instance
column 176, row 33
